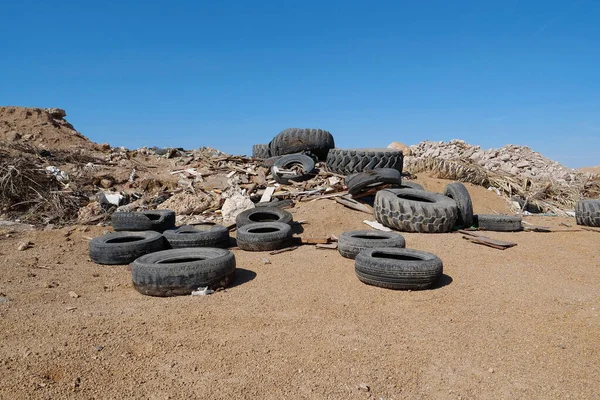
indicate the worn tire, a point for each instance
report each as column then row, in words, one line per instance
column 412, row 210
column 263, row 236
column 155, row 220
column 396, row 268
column 288, row 161
column 181, row 271
column 410, row 185
column 587, row 212
column 261, row 151
column 296, row 140
column 353, row 242
column 263, row 214
column 120, row 248
column 368, row 179
column 458, row 192
column 499, row 223
column 349, row 161
column 205, row 235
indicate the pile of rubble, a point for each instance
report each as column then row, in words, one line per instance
column 512, row 159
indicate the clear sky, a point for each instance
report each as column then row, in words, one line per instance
column 228, row 74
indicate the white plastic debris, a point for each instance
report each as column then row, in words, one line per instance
column 110, row 198
column 132, row 175
column 496, row 190
column 570, row 213
column 60, row 176
column 377, row 225
column 202, row 291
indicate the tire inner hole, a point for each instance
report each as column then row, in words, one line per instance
column 392, row 256
column 125, row 239
column 153, row 217
column 180, row 260
column 263, row 217
column 263, row 230
column 369, row 237
column 414, row 198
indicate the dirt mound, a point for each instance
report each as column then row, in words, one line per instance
column 45, row 128
column 592, row 170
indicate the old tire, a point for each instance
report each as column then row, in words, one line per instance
column 587, row 212
column 396, row 268
column 261, row 151
column 410, row 185
column 412, row 210
column 181, row 271
column 263, row 214
column 263, row 236
column 458, row 192
column 368, row 179
column 349, row 161
column 155, row 220
column 353, row 242
column 499, row 223
column 286, row 162
column 205, row 235
column 120, row 248
column 296, row 140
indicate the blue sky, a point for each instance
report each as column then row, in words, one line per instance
column 228, row 74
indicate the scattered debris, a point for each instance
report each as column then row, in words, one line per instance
column 265, row 260
column 202, row 291
column 364, row 387
column 24, row 246
column 332, row 246
column 355, row 205
column 73, row 294
column 377, row 225
column 292, row 248
column 233, row 206
column 486, row 241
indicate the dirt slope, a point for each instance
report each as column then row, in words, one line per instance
column 519, row 323
column 593, row 170
column 41, row 128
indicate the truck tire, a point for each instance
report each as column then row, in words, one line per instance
column 349, row 161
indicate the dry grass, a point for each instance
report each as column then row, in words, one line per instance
column 549, row 196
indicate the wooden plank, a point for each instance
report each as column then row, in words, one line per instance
column 330, row 246
column 377, row 225
column 355, row 205
column 496, row 244
column 590, row 229
column 266, row 197
column 292, row 248
column 314, row 240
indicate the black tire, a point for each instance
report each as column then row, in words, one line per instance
column 263, row 214
column 353, row 242
column 411, row 185
column 395, row 268
column 296, row 140
column 499, row 223
column 120, row 248
column 287, row 162
column 368, row 179
column 587, row 212
column 261, row 151
column 412, row 210
column 205, row 235
column 263, row 236
column 349, row 161
column 459, row 193
column 181, row 271
column 155, row 220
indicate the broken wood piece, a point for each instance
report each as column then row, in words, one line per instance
column 534, row 228
column 314, row 240
column 486, row 241
column 372, row 191
column 266, row 197
column 355, row 205
column 331, row 246
column 292, row 248
column 590, row 229
column 377, row 225
column 232, row 173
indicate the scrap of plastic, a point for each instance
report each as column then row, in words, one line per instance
column 60, row 176
column 202, row 291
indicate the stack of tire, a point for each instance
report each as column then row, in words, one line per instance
column 264, row 229
column 587, row 213
column 165, row 260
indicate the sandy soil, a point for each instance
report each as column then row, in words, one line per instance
column 593, row 170
column 520, row 323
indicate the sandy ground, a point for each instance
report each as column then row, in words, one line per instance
column 520, row 323
column 593, row 170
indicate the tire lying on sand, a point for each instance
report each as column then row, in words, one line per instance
column 263, row 214
column 349, row 161
column 155, row 220
column 263, row 236
column 353, row 242
column 287, row 162
column 366, row 180
column 458, row 192
column 587, row 212
column 296, row 140
column 412, row 210
column 395, row 268
column 181, row 271
column 120, row 248
column 410, row 185
column 204, row 235
column 261, row 151
column 498, row 223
